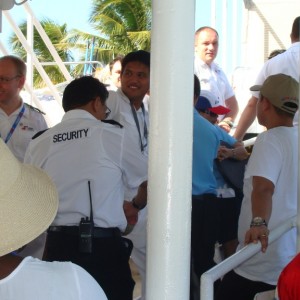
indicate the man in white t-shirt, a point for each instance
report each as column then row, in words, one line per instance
column 211, row 76
column 287, row 63
column 270, row 191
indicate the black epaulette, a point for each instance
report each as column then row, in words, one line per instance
column 113, row 122
column 34, row 108
column 38, row 134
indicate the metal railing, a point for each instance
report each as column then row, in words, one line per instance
column 209, row 277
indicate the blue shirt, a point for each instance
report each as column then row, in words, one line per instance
column 205, row 146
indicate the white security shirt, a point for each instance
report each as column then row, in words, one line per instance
column 81, row 149
column 30, row 123
column 121, row 112
column 34, row 279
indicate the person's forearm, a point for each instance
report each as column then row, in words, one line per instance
column 261, row 198
column 247, row 118
column 232, row 104
column 227, row 122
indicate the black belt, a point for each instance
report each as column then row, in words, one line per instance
column 98, row 232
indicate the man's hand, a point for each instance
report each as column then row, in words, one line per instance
column 224, row 126
column 258, row 233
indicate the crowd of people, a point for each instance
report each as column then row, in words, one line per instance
column 79, row 189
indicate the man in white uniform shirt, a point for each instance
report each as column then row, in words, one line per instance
column 91, row 163
column 287, row 63
column 127, row 107
column 211, row 76
column 19, row 122
column 270, row 192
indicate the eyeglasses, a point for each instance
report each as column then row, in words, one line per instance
column 107, row 112
column 7, row 79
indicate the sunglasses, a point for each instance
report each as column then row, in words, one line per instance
column 210, row 113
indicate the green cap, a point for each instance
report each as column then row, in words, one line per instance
column 282, row 91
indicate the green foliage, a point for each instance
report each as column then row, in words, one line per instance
column 122, row 26
column 56, row 34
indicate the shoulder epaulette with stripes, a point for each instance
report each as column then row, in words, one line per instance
column 34, row 108
column 113, row 122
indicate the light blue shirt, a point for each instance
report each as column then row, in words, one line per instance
column 205, row 146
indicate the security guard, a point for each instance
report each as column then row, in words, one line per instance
column 91, row 163
column 127, row 107
column 19, row 122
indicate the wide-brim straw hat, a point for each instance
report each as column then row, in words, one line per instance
column 28, row 202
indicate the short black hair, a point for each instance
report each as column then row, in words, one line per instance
column 295, row 29
column 140, row 56
column 81, row 91
column 197, row 87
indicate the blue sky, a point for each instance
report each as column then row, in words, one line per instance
column 76, row 13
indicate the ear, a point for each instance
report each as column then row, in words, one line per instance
column 95, row 104
column 21, row 82
column 266, row 105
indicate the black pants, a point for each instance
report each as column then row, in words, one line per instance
column 205, row 229
column 236, row 287
column 108, row 263
column 204, row 235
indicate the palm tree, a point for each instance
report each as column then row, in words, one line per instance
column 123, row 26
column 56, row 34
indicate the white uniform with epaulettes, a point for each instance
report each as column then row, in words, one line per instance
column 105, row 160
column 30, row 122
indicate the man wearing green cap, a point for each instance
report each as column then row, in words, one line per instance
column 270, row 192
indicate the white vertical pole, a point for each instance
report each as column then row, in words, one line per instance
column 48, row 43
column 30, row 34
column 171, row 118
column 224, row 35
column 34, row 58
column 213, row 10
column 235, row 38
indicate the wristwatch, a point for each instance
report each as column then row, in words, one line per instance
column 229, row 123
column 258, row 221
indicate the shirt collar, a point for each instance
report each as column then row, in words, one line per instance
column 78, row 114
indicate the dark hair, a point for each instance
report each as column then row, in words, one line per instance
column 197, row 87
column 81, row 91
column 18, row 62
column 275, row 53
column 204, row 28
column 117, row 58
column 295, row 29
column 140, row 56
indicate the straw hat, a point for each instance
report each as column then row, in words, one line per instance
column 28, row 202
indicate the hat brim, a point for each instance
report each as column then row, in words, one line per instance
column 255, row 88
column 219, row 110
column 28, row 209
